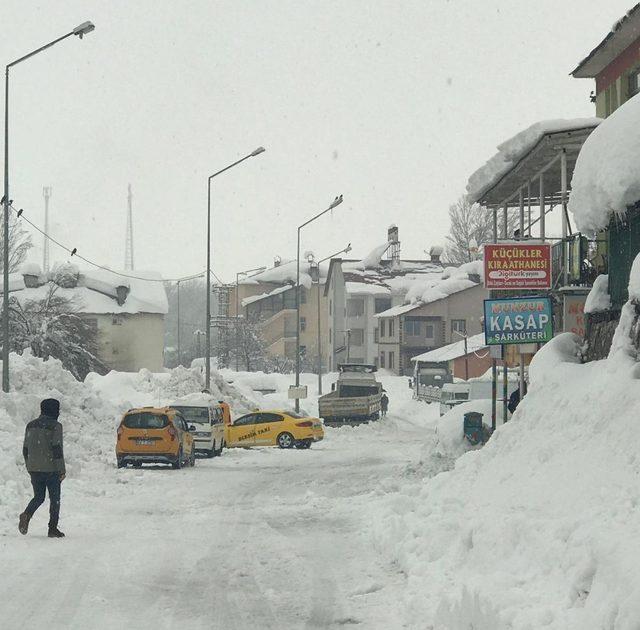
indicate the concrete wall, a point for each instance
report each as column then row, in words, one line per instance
column 129, row 343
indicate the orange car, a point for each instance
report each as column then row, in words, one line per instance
column 158, row 435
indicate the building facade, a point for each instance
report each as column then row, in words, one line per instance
column 413, row 329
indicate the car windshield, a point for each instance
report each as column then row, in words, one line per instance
column 198, row 415
column 146, row 420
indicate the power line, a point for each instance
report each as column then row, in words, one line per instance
column 74, row 252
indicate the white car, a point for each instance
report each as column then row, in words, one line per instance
column 208, row 420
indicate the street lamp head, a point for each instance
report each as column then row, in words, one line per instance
column 258, row 151
column 347, row 249
column 82, row 29
column 336, row 202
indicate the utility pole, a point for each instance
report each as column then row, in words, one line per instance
column 180, row 353
column 46, row 192
column 128, row 247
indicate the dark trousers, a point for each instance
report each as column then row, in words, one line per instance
column 43, row 482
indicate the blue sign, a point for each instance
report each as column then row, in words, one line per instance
column 518, row 320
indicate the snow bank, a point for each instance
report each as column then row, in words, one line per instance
column 606, row 180
column 598, row 299
column 89, row 421
column 541, row 527
column 510, row 151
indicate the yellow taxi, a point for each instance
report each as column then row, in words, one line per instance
column 158, row 435
column 274, row 428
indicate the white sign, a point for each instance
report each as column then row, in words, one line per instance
column 296, row 393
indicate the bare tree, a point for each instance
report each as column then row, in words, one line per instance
column 470, row 222
column 53, row 327
column 19, row 244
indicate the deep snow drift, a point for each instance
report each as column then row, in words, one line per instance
column 540, row 528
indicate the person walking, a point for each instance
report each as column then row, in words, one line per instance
column 44, row 458
column 384, row 404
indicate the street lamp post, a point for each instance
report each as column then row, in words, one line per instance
column 81, row 30
column 336, row 202
column 346, row 250
column 207, row 360
column 241, row 273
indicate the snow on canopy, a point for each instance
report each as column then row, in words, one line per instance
column 256, row 298
column 453, row 350
column 511, row 150
column 606, row 178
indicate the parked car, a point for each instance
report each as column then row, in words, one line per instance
column 274, row 428
column 158, row 435
column 209, row 422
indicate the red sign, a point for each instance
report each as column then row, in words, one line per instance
column 517, row 266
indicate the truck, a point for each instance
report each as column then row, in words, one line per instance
column 355, row 396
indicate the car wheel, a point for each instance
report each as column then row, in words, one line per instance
column 192, row 458
column 137, row 464
column 178, row 463
column 121, row 464
column 303, row 444
column 285, row 440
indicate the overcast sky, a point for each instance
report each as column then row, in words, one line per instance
column 391, row 103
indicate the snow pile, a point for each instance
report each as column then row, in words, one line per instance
column 606, row 180
column 510, row 151
column 89, row 421
column 598, row 299
column 539, row 528
column 144, row 388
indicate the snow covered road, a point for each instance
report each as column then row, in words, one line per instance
column 259, row 538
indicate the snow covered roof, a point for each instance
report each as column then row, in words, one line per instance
column 97, row 292
column 606, row 179
column 543, row 138
column 285, row 273
column 622, row 34
column 428, row 289
column 452, row 351
column 256, row 298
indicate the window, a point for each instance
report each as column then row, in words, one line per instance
column 428, row 331
column 633, row 82
column 246, row 420
column 145, row 420
column 391, row 360
column 459, row 326
column 382, row 359
column 382, row 325
column 303, row 324
column 357, row 336
column 303, row 351
column 391, row 326
column 117, row 320
column 329, row 335
column 330, row 307
column 303, row 295
column 376, row 335
column 412, row 328
column 264, row 418
column 355, row 307
column 382, row 304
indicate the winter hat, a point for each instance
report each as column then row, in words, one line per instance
column 50, row 407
